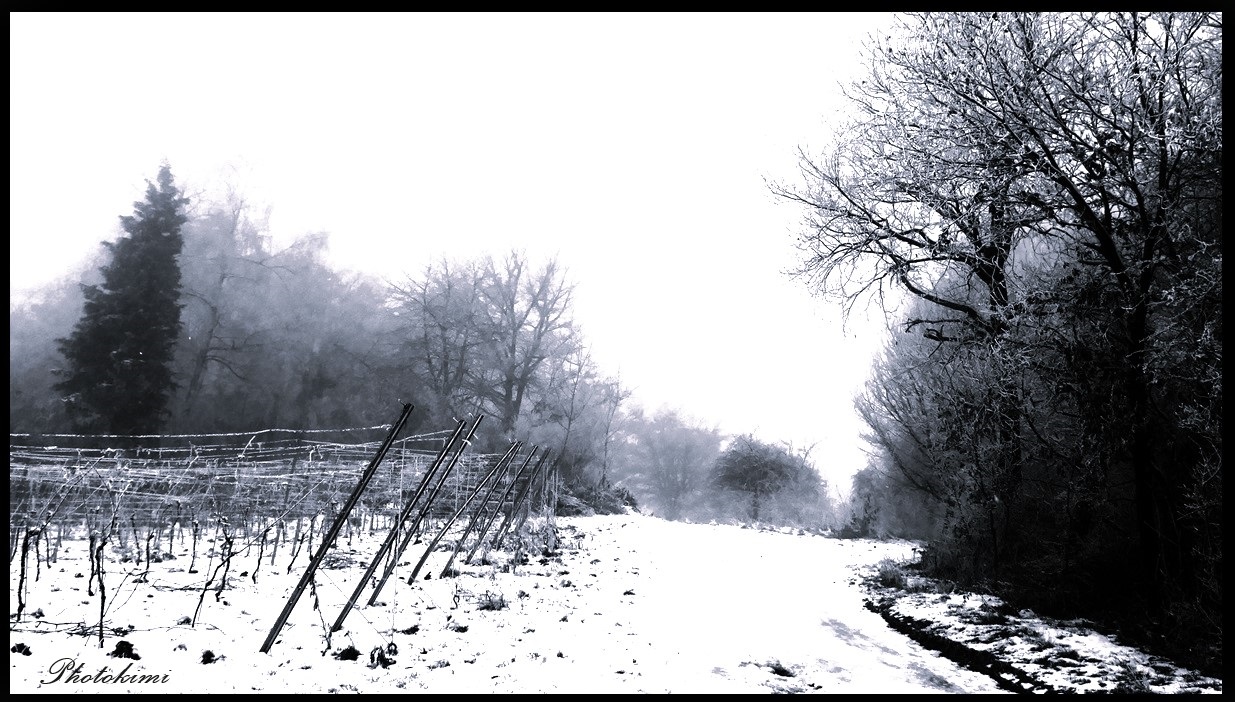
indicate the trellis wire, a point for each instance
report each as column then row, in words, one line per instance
column 291, row 477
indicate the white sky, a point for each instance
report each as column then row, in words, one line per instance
column 633, row 604
column 633, row 146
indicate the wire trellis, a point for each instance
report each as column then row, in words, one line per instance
column 250, row 479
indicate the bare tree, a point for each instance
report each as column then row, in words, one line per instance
column 440, row 325
column 222, row 263
column 1048, row 185
column 525, row 314
column 672, row 459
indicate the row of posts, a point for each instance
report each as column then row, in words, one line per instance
column 399, row 538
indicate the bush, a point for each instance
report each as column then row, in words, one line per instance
column 587, row 500
column 891, row 574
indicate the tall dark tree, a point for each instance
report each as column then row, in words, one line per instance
column 119, row 375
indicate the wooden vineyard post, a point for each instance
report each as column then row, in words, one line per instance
column 543, row 491
column 394, row 532
column 411, row 531
column 335, row 529
column 517, row 504
column 480, row 537
column 476, row 514
column 411, row 579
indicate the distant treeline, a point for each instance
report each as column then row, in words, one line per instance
column 277, row 338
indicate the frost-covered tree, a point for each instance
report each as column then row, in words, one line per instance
column 762, row 470
column 1047, row 188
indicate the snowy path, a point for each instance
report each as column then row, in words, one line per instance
column 629, row 604
column 722, row 609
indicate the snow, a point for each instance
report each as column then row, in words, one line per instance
column 626, row 603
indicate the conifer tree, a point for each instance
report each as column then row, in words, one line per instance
column 119, row 374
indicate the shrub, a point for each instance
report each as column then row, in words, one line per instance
column 891, row 574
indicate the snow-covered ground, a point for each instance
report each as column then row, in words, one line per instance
column 627, row 603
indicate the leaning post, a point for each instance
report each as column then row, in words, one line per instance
column 365, row 477
column 479, row 511
column 394, row 532
column 411, row 531
column 411, row 579
column 480, row 537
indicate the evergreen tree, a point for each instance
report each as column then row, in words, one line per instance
column 119, row 374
